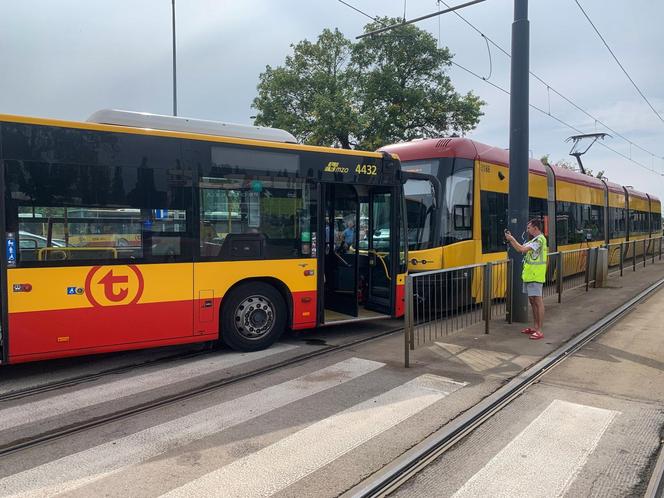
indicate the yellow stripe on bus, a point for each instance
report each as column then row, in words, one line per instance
column 219, row 277
column 42, row 289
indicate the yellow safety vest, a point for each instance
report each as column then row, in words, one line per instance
column 534, row 264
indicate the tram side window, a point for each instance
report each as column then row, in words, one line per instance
column 638, row 221
column 458, row 202
column 537, row 209
column 617, row 223
column 494, row 218
column 493, row 209
column 596, row 222
column 578, row 223
column 656, row 219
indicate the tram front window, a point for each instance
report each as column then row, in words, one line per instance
column 420, row 209
column 455, row 214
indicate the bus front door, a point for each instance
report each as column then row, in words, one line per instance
column 340, row 259
column 381, row 248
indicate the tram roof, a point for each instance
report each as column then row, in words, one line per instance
column 638, row 194
column 615, row 187
column 471, row 149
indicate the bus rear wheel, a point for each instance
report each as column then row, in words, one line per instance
column 253, row 317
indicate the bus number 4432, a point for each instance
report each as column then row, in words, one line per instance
column 366, row 169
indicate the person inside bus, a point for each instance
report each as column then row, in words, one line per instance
column 348, row 236
column 534, row 272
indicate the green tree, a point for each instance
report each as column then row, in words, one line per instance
column 383, row 89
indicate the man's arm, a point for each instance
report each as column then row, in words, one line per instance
column 519, row 247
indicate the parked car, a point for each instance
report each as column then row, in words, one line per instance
column 29, row 240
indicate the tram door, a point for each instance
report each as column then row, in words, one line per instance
column 341, row 258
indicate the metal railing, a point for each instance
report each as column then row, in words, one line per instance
column 441, row 302
column 629, row 255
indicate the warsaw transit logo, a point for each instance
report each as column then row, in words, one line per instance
column 114, row 285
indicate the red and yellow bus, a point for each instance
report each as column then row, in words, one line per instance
column 456, row 202
column 132, row 231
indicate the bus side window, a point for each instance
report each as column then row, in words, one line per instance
column 28, row 249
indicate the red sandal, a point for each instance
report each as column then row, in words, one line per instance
column 536, row 335
column 528, row 331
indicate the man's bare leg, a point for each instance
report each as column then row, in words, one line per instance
column 539, row 304
column 535, row 311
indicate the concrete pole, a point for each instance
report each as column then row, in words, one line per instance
column 175, row 88
column 519, row 124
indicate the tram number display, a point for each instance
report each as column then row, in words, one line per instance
column 366, row 169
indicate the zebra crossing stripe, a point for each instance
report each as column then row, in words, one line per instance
column 545, row 458
column 78, row 469
column 68, row 402
column 285, row 462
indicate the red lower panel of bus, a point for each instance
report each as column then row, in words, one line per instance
column 304, row 309
column 50, row 334
column 399, row 308
column 56, row 333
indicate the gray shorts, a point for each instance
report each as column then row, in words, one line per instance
column 533, row 289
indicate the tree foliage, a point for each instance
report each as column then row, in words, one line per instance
column 380, row 90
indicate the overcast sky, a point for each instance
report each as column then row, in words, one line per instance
column 68, row 58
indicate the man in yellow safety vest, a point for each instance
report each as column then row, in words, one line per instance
column 534, row 272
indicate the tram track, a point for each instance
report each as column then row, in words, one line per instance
column 23, row 444
column 394, row 475
column 82, row 379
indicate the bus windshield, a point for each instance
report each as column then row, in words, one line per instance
column 454, row 215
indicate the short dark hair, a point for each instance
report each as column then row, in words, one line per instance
column 537, row 223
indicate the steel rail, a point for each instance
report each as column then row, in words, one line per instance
column 81, row 379
column 391, row 477
column 47, row 437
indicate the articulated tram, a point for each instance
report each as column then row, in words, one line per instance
column 448, row 227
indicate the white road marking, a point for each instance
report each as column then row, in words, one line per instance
column 546, row 457
column 90, row 396
column 73, row 471
column 285, row 462
column 479, row 360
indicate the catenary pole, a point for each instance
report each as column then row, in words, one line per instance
column 518, row 173
column 175, row 88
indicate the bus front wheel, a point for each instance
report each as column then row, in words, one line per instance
column 253, row 317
